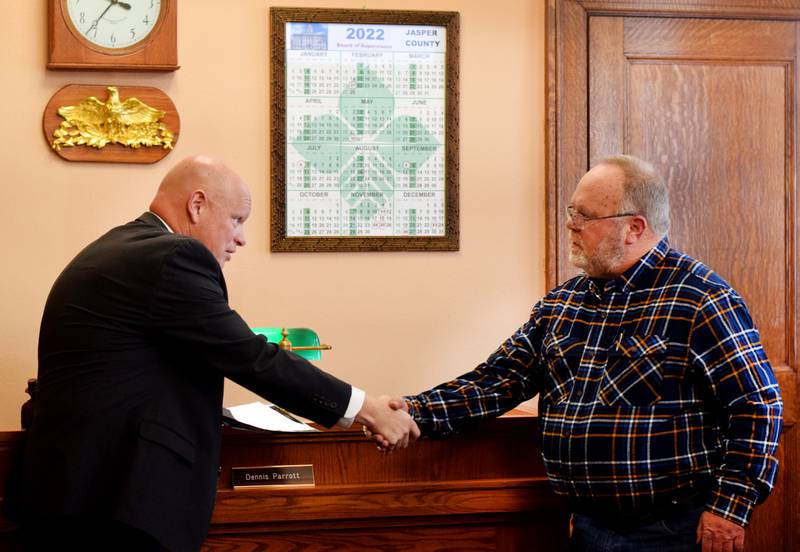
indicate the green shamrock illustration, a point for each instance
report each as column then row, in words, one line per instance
column 371, row 144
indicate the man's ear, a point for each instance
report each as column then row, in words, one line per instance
column 636, row 229
column 196, row 204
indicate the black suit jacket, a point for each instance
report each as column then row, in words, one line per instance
column 135, row 341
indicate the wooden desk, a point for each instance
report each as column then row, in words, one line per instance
column 482, row 490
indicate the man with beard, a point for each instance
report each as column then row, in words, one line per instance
column 660, row 412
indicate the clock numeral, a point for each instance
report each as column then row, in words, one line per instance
column 83, row 17
column 133, row 33
column 146, row 20
column 113, row 39
column 151, row 4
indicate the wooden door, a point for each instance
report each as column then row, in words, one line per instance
column 709, row 96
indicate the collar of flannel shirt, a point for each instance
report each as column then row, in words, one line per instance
column 627, row 280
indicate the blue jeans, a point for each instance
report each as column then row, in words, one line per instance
column 676, row 533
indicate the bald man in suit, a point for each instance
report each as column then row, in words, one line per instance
column 136, row 339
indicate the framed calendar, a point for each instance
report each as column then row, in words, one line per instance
column 364, row 130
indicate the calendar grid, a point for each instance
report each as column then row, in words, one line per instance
column 365, row 139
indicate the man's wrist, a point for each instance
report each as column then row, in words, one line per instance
column 357, row 398
column 412, row 407
column 732, row 507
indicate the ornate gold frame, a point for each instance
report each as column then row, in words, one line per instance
column 279, row 240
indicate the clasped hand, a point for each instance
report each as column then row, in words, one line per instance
column 387, row 423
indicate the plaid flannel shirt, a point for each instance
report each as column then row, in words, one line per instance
column 647, row 387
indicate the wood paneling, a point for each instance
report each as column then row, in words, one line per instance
column 495, row 452
column 480, row 533
column 715, row 126
column 716, row 39
column 481, row 490
column 728, row 212
column 607, row 85
column 390, row 500
column 771, row 527
column 708, row 93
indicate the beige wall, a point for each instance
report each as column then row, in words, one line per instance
column 399, row 322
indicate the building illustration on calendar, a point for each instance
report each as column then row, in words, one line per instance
column 365, row 130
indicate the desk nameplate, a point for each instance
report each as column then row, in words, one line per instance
column 300, row 475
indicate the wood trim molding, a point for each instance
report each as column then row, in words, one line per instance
column 550, row 139
column 568, row 136
column 511, row 423
column 389, row 500
column 735, row 9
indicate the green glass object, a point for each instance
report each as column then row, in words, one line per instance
column 298, row 338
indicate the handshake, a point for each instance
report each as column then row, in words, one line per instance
column 386, row 421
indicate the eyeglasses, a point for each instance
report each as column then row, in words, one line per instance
column 579, row 220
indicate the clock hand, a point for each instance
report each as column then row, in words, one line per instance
column 94, row 23
column 123, row 5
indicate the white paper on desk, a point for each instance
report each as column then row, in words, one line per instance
column 265, row 416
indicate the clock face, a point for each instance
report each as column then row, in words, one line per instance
column 116, row 25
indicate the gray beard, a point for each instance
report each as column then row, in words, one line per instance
column 608, row 255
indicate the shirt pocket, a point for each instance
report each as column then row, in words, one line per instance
column 562, row 355
column 634, row 371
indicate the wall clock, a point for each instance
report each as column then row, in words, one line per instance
column 136, row 35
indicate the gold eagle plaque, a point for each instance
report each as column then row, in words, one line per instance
column 93, row 123
column 132, row 125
